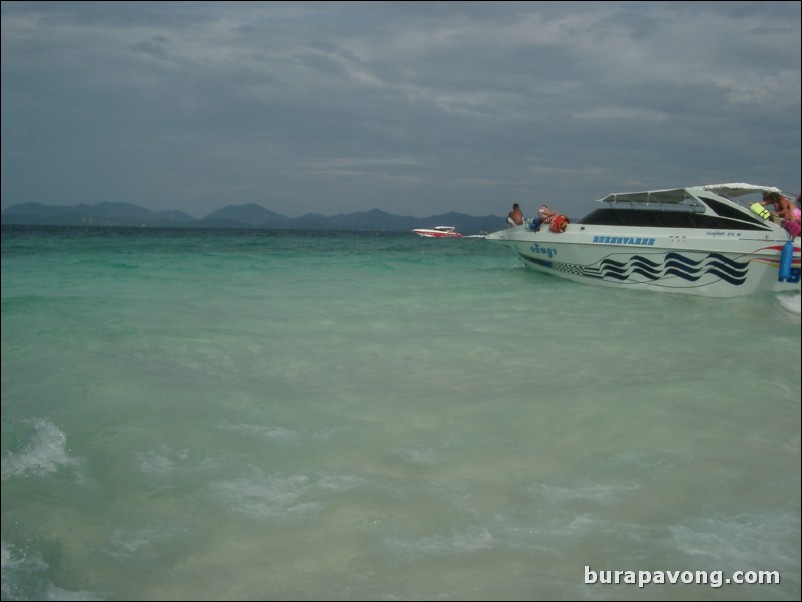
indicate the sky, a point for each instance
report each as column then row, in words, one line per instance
column 416, row 108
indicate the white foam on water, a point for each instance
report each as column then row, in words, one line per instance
column 18, row 570
column 417, row 455
column 736, row 540
column 57, row 593
column 279, row 433
column 139, row 544
column 602, row 493
column 12, row 561
column 165, row 460
column 44, row 453
column 791, row 302
column 24, row 575
column 264, row 496
column 454, row 543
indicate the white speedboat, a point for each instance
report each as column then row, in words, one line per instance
column 698, row 240
column 438, row 232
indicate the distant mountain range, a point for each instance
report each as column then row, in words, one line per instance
column 250, row 215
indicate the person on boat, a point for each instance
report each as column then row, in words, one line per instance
column 545, row 214
column 782, row 206
column 795, row 213
column 793, row 224
column 516, row 216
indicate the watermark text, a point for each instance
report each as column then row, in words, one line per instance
column 712, row 578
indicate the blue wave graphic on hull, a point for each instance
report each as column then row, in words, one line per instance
column 673, row 265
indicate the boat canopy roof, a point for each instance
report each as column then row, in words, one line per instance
column 676, row 196
column 738, row 189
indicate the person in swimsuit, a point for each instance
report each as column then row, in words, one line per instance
column 782, row 206
column 516, row 216
column 795, row 212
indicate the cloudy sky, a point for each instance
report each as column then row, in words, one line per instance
column 416, row 108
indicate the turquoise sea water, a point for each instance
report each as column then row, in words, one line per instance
column 281, row 415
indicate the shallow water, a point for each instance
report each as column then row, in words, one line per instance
column 283, row 415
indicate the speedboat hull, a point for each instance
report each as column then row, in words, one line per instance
column 712, row 262
column 648, row 261
column 438, row 232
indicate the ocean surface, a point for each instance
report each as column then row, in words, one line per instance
column 257, row 415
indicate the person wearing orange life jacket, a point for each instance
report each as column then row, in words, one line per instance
column 555, row 221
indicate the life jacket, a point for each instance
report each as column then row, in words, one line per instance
column 559, row 223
